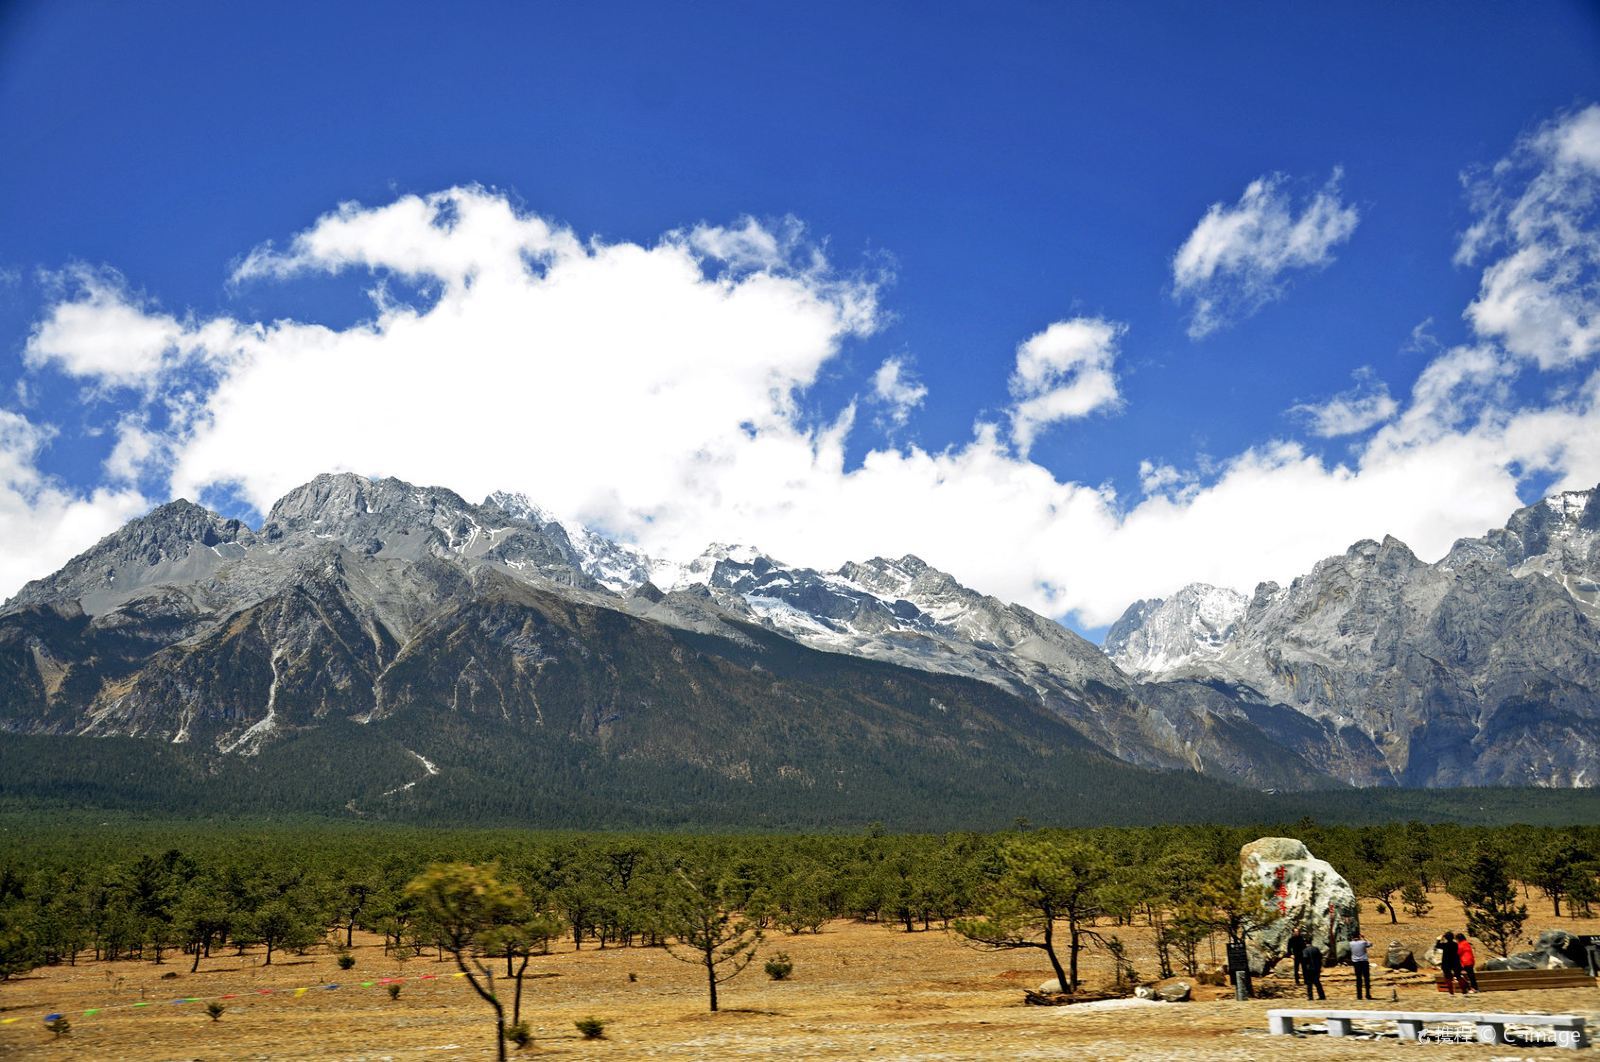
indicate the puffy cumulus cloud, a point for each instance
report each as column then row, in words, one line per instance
column 1063, row 373
column 1538, row 209
column 613, row 381
column 452, row 237
column 1366, row 405
column 42, row 523
column 898, row 390
column 655, row 391
column 103, row 332
column 1234, row 261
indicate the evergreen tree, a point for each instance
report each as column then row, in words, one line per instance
column 1044, row 880
column 1487, row 895
column 470, row 906
column 705, row 930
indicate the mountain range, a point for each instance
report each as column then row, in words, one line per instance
column 450, row 650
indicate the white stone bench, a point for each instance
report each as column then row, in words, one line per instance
column 1566, row 1029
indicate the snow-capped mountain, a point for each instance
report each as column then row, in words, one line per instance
column 1159, row 636
column 1481, row 668
column 357, row 600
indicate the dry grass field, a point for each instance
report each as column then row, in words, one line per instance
column 858, row 991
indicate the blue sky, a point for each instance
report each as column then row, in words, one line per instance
column 977, row 173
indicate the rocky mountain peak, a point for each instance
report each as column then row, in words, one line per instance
column 341, row 500
column 519, row 506
column 176, row 542
column 1164, row 635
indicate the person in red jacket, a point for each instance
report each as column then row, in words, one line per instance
column 1469, row 978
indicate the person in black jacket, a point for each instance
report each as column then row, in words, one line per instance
column 1450, row 961
column 1297, row 944
column 1311, row 966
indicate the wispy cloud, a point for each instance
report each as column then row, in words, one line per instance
column 1537, row 208
column 1364, row 406
column 1236, row 259
column 896, row 387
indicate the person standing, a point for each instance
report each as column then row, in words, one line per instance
column 1297, row 944
column 1450, row 961
column 1359, row 962
column 1467, row 961
column 1311, row 966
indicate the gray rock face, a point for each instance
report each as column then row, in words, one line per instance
column 908, row 613
column 1374, row 668
column 1555, row 949
column 1309, row 894
column 1399, row 957
column 1155, row 637
column 177, row 544
column 1482, row 669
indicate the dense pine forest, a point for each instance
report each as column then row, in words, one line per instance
column 339, row 772
column 157, row 892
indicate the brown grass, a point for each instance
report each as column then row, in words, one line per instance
column 858, row 991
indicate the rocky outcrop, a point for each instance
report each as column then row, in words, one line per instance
column 1163, row 635
column 1555, row 949
column 1375, row 668
column 1399, row 957
column 1308, row 895
column 1480, row 669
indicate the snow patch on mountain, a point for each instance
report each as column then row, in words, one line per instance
column 1160, row 636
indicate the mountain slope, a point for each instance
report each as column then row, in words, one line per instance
column 526, row 702
column 1483, row 668
column 362, row 604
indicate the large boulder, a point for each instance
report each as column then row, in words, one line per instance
column 1174, row 990
column 1307, row 892
column 1554, row 950
column 1399, row 957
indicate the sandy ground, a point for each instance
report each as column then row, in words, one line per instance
column 858, row 991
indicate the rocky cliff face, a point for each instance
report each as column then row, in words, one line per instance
column 351, row 602
column 1483, row 668
column 1155, row 637
column 359, row 599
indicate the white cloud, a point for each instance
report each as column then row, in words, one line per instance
column 1063, row 373
column 898, row 390
column 1167, row 479
column 104, row 333
column 1366, row 405
column 1538, row 206
column 42, row 523
column 657, row 391
column 138, row 451
column 1234, row 261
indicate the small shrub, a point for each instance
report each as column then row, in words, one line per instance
column 591, row 1028
column 215, row 1009
column 346, row 960
column 520, row 1034
column 779, row 967
column 394, row 991
column 58, row 1024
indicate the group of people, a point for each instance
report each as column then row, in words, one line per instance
column 1308, row 962
column 1456, row 962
